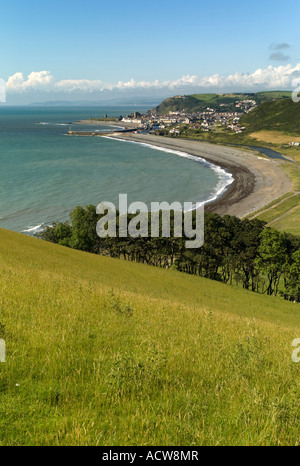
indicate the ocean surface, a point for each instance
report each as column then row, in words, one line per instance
column 44, row 173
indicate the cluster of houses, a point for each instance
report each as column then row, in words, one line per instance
column 246, row 105
column 209, row 119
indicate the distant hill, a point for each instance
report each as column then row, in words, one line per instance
column 128, row 101
column 281, row 115
column 199, row 102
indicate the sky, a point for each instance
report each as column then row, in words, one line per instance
column 102, row 50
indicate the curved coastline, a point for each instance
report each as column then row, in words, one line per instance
column 225, row 178
column 256, row 181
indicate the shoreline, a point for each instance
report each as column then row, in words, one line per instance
column 256, row 181
column 218, row 190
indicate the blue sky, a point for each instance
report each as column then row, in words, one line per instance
column 145, row 41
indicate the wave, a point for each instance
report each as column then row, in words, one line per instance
column 52, row 124
column 114, row 126
column 34, row 229
column 225, row 178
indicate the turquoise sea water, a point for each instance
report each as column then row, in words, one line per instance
column 44, row 173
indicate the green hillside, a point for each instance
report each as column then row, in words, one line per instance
column 282, row 115
column 199, row 102
column 107, row 352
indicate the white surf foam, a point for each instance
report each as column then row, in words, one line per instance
column 53, row 124
column 34, row 229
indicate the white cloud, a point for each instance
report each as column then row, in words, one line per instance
column 15, row 82
column 79, row 84
column 269, row 78
column 272, row 77
column 2, row 91
column 35, row 80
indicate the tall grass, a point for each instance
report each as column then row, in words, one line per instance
column 107, row 352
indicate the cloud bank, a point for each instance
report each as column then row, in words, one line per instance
column 272, row 77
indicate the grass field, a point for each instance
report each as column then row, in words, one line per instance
column 281, row 208
column 274, row 137
column 289, row 222
column 293, row 171
column 291, row 152
column 284, row 213
column 106, row 352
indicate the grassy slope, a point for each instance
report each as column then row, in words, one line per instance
column 196, row 102
column 282, row 115
column 164, row 358
column 280, row 209
column 289, row 222
column 199, row 102
column 274, row 137
column 284, row 214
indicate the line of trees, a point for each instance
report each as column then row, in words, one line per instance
column 241, row 252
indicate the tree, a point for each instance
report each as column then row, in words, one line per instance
column 271, row 258
column 292, row 280
column 84, row 235
column 58, row 232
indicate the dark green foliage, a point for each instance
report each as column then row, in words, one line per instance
column 280, row 115
column 237, row 251
column 271, row 258
column 57, row 233
column 292, row 278
column 84, row 236
column 80, row 234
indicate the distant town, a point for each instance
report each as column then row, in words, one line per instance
column 223, row 118
column 207, row 120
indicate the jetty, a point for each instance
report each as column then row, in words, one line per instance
column 102, row 133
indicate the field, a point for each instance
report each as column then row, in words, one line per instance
column 106, row 352
column 280, row 208
column 289, row 222
column 274, row 137
column 284, row 213
column 291, row 152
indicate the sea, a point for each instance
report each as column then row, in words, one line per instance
column 45, row 173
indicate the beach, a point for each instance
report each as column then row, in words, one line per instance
column 257, row 180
